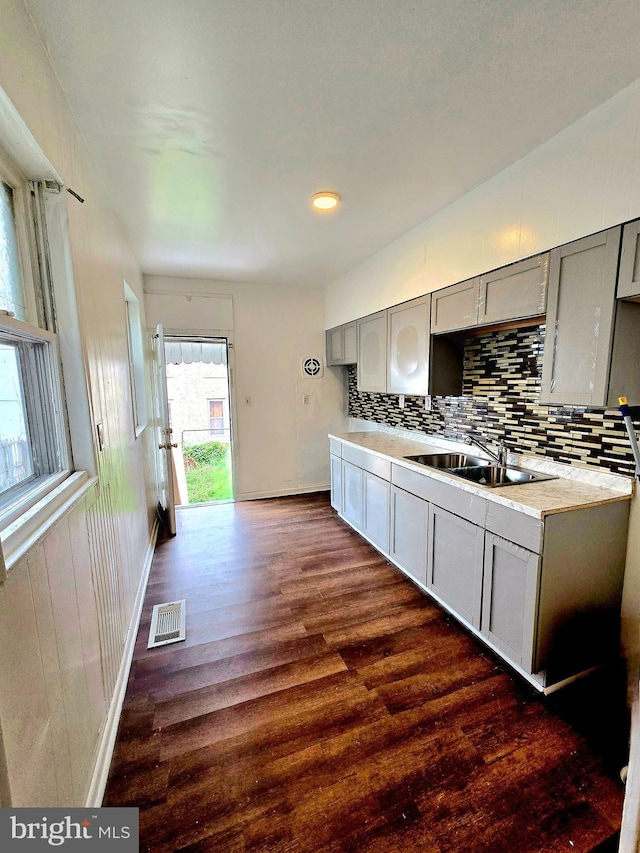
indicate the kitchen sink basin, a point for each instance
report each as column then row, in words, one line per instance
column 447, row 460
column 497, row 475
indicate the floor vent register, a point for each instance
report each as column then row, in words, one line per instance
column 167, row 624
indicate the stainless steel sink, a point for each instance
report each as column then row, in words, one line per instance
column 497, row 475
column 447, row 460
column 478, row 470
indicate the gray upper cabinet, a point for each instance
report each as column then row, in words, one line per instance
column 514, row 292
column 455, row 307
column 408, row 326
column 580, row 320
column 629, row 275
column 510, row 293
column 372, row 353
column 349, row 331
column 341, row 345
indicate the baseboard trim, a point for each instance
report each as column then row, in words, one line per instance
column 107, row 741
column 283, row 493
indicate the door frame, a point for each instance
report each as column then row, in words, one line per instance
column 226, row 334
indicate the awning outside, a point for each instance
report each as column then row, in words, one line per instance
column 192, row 352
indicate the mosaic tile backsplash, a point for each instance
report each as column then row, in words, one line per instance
column 501, row 384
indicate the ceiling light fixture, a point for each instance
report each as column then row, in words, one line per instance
column 325, row 200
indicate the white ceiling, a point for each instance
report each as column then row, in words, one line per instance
column 214, row 121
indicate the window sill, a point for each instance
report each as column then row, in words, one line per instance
column 22, row 534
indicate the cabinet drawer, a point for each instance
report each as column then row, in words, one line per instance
column 367, row 461
column 515, row 526
column 335, row 447
column 450, row 497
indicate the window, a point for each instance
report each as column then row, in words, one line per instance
column 136, row 359
column 11, row 289
column 33, row 438
column 38, row 421
column 32, row 429
column 216, row 417
column 16, row 459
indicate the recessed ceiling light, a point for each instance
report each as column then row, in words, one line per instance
column 325, row 200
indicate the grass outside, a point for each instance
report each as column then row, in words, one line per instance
column 208, row 472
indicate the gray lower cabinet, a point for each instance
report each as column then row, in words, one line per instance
column 352, row 493
column 509, row 599
column 409, row 531
column 336, row 483
column 375, row 509
column 545, row 593
column 454, row 562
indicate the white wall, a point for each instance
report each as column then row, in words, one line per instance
column 282, row 445
column 580, row 181
column 66, row 606
column 583, row 180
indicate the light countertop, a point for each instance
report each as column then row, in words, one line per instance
column 576, row 487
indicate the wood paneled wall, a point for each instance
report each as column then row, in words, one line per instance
column 66, row 607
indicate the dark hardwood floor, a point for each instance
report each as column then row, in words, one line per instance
column 322, row 703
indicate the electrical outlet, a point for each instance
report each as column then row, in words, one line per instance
column 305, row 399
column 401, row 401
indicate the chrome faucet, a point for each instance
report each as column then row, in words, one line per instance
column 500, row 457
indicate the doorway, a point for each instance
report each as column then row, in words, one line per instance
column 198, row 383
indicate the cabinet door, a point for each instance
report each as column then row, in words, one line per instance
column 454, row 566
column 629, row 275
column 336, row 483
column 455, row 307
column 510, row 599
column 409, row 526
column 335, row 346
column 350, row 343
column 519, row 290
column 580, row 319
column 376, row 505
column 352, row 493
column 372, row 352
column 409, row 347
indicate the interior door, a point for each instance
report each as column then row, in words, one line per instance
column 165, row 456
